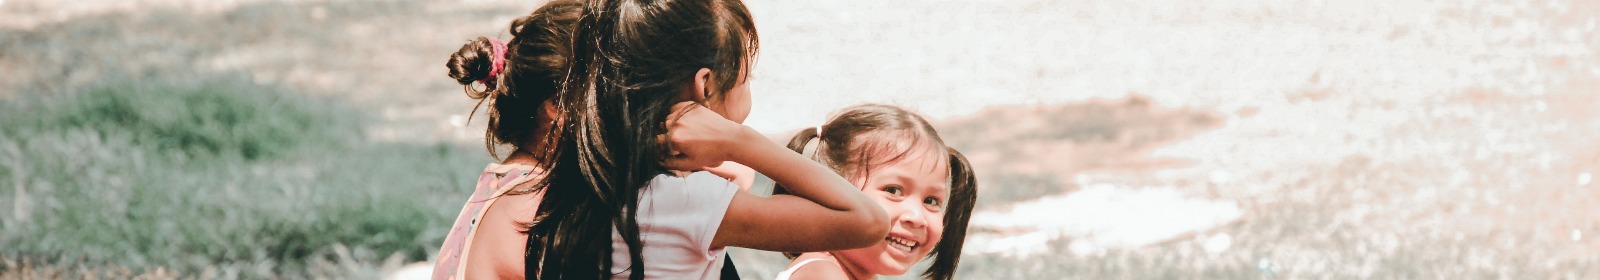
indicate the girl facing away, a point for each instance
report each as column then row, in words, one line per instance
column 897, row 159
column 655, row 91
column 519, row 77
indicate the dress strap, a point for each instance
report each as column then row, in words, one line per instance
column 790, row 272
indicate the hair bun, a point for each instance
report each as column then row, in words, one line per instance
column 474, row 62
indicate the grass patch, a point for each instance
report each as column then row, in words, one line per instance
column 215, row 118
column 218, row 177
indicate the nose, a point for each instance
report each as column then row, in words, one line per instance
column 912, row 216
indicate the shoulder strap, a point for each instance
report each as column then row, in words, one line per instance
column 790, row 272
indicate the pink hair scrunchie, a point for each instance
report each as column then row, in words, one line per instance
column 498, row 62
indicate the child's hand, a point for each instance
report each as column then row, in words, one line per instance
column 698, row 138
column 737, row 173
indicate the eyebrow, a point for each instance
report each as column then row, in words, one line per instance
column 941, row 187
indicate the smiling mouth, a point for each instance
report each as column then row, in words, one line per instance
column 902, row 244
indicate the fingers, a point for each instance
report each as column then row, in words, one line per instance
column 679, row 111
column 687, row 142
column 678, row 163
column 685, row 163
column 672, row 157
column 667, row 148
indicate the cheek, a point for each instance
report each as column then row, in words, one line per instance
column 884, row 202
column 935, row 228
column 739, row 104
column 730, row 108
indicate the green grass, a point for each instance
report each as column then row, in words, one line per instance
column 220, row 175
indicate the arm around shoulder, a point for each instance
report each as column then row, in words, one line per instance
column 825, row 213
column 786, row 223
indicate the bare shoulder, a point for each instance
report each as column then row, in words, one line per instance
column 817, row 266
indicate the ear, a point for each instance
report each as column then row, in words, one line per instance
column 549, row 107
column 700, row 89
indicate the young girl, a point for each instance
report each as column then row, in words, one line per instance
column 898, row 160
column 617, row 200
column 519, row 77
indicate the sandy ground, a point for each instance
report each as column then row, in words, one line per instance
column 1479, row 100
column 1297, row 85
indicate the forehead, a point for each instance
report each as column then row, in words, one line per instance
column 918, row 167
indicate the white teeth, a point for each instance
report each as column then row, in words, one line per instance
column 902, row 244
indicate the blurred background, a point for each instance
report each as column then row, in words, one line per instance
column 1113, row 139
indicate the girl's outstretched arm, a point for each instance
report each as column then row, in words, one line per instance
column 825, row 212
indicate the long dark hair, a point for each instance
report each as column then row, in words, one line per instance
column 535, row 60
column 849, row 139
column 630, row 60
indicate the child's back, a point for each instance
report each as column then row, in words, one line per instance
column 678, row 217
column 490, row 225
column 487, row 239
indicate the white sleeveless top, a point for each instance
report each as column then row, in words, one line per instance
column 678, row 217
column 790, row 272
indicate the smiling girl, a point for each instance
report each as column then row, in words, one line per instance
column 897, row 159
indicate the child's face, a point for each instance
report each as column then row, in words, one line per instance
column 914, row 192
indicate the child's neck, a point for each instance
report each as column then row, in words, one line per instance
column 523, row 154
column 521, row 157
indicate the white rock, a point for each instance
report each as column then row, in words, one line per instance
column 1081, row 248
column 1099, row 217
column 1218, row 243
column 1012, row 245
column 1265, row 266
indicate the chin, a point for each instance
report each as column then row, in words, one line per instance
column 892, row 269
column 875, row 260
column 889, row 266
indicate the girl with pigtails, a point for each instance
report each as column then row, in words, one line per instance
column 897, row 159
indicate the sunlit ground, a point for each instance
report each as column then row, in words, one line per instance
column 1113, row 139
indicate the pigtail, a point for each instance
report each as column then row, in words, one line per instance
column 797, row 143
column 963, row 198
column 800, row 139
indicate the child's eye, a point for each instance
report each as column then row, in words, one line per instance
column 933, row 201
column 894, row 190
